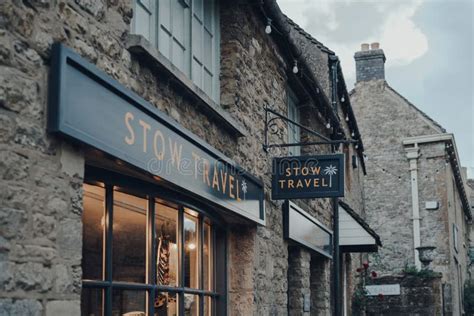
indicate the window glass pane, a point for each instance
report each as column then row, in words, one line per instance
column 208, row 14
column 207, row 82
column 178, row 55
column 293, row 130
column 129, row 238
column 191, row 251
column 166, row 304
column 191, row 305
column 178, row 21
column 141, row 20
column 128, row 301
column 197, row 73
column 164, row 11
column 207, row 306
column 166, row 224
column 208, row 51
column 93, row 219
column 164, row 42
column 207, row 257
column 91, row 302
column 197, row 8
column 197, row 39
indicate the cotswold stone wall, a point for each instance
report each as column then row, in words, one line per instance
column 42, row 175
column 385, row 119
column 253, row 76
column 418, row 296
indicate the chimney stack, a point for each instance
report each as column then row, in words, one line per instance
column 370, row 63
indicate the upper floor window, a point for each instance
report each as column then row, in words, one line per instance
column 186, row 32
column 294, row 133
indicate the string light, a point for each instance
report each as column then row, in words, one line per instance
column 328, row 125
column 295, row 67
column 353, row 134
column 343, row 99
column 268, row 28
column 347, row 118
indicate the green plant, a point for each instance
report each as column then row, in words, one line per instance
column 424, row 273
column 469, row 297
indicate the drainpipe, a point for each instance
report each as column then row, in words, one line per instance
column 335, row 202
column 413, row 153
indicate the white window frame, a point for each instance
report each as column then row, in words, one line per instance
column 294, row 131
column 194, row 67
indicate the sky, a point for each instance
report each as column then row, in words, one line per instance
column 429, row 46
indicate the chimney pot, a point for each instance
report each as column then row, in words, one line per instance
column 364, row 47
column 375, row 45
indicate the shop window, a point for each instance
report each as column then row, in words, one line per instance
column 294, row 133
column 145, row 255
column 186, row 32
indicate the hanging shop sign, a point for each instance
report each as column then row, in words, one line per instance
column 87, row 105
column 302, row 228
column 305, row 177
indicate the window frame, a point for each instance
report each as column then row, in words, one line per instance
column 109, row 180
column 153, row 36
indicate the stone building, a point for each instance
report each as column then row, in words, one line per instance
column 415, row 195
column 133, row 174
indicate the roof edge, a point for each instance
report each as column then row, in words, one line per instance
column 361, row 221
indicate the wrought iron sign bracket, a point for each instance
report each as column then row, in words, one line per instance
column 272, row 116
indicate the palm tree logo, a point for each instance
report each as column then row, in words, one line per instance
column 330, row 171
column 244, row 187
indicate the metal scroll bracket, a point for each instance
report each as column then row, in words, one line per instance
column 271, row 117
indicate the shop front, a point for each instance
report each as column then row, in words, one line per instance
column 156, row 199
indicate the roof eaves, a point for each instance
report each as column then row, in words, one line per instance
column 361, row 221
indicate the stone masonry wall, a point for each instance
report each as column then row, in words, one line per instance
column 41, row 175
column 385, row 119
column 418, row 296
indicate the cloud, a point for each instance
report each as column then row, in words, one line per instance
column 402, row 40
column 343, row 25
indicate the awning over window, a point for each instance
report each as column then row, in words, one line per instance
column 355, row 235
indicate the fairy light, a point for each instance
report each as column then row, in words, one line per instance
column 295, row 67
column 268, row 28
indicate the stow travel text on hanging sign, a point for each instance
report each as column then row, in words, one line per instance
column 305, row 177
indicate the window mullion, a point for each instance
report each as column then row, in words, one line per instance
column 181, row 258
column 109, row 202
column 201, row 261
column 152, row 253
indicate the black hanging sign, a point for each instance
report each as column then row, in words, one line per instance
column 87, row 105
column 304, row 177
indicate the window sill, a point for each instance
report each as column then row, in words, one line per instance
column 139, row 46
